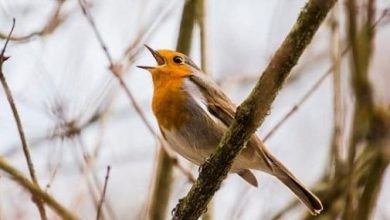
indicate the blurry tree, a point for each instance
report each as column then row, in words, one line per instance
column 359, row 151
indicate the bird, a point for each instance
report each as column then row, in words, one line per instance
column 193, row 113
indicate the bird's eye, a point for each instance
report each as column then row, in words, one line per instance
column 178, row 60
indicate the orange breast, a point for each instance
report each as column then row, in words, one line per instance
column 169, row 103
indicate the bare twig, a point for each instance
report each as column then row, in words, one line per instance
column 134, row 48
column 55, row 20
column 307, row 95
column 103, row 193
column 361, row 37
column 35, row 190
column 15, row 113
column 295, row 108
column 201, row 19
column 116, row 69
column 186, row 27
column 337, row 95
column 52, row 176
column 86, row 168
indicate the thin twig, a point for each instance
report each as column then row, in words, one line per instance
column 201, row 19
column 53, row 175
column 338, row 115
column 295, row 108
column 19, row 125
column 302, row 100
column 55, row 20
column 116, row 69
column 134, row 48
column 103, row 193
column 35, row 190
column 86, row 168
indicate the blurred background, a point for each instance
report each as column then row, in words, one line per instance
column 78, row 119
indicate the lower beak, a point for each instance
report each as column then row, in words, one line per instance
column 146, row 67
column 159, row 59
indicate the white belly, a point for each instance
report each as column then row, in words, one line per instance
column 188, row 148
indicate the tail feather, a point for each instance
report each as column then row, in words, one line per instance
column 304, row 195
column 308, row 198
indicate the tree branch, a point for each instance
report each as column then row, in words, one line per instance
column 53, row 22
column 35, row 190
column 26, row 149
column 100, row 206
column 251, row 113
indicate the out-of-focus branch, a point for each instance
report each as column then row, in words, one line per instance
column 360, row 37
column 361, row 43
column 186, row 27
column 331, row 188
column 368, row 172
column 35, row 190
column 54, row 21
column 295, row 108
column 103, row 193
column 337, row 95
column 161, row 187
column 201, row 19
column 375, row 176
column 136, row 46
column 116, row 69
column 87, row 162
column 251, row 113
column 26, row 149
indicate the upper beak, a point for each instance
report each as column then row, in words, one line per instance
column 159, row 59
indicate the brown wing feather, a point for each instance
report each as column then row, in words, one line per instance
column 223, row 108
column 217, row 102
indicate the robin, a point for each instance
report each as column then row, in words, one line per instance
column 193, row 113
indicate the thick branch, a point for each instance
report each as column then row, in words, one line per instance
column 251, row 113
column 53, row 22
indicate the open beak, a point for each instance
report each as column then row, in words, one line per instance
column 159, row 59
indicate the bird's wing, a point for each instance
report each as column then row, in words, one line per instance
column 220, row 106
column 218, row 103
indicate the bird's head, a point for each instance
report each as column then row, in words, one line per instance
column 170, row 64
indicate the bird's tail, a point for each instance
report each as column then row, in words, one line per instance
column 304, row 195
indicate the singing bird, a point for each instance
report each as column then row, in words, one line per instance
column 193, row 113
